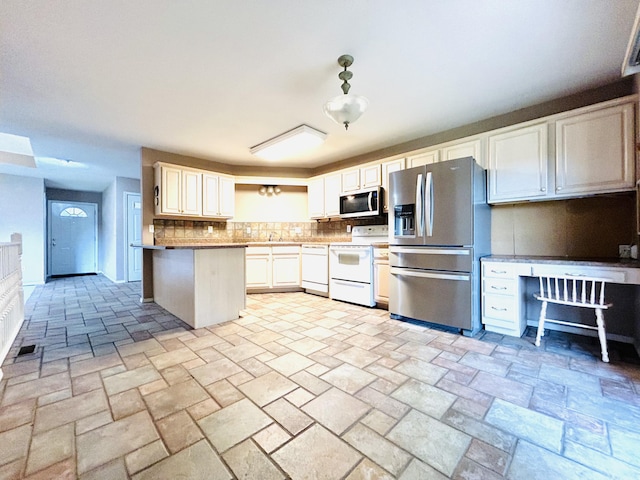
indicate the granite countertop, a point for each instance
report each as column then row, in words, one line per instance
column 201, row 246
column 596, row 262
column 380, row 244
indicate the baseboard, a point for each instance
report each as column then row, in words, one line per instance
column 146, row 300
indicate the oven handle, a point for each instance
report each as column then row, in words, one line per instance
column 403, row 272
column 349, row 251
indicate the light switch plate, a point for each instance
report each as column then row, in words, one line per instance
column 151, row 229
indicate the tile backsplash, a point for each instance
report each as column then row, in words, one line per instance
column 188, row 232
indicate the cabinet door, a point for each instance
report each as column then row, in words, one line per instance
column 286, row 270
column 258, row 270
column 210, row 195
column 332, row 189
column 387, row 168
column 171, row 190
column 191, row 192
column 351, row 180
column 227, row 196
column 518, row 164
column 370, row 176
column 381, row 281
column 425, row 158
column 315, row 197
column 471, row 148
column 594, row 151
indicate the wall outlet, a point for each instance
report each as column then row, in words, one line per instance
column 248, row 229
column 151, row 229
column 348, row 228
column 624, row 251
column 210, row 229
column 298, row 230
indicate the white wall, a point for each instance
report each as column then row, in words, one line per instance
column 112, row 237
column 289, row 206
column 22, row 210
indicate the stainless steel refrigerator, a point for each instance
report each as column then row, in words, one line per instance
column 440, row 225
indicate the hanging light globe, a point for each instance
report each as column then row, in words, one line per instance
column 347, row 108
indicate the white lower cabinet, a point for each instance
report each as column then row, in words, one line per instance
column 501, row 299
column 381, row 275
column 273, row 267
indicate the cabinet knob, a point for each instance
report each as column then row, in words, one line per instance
column 543, row 189
column 558, row 189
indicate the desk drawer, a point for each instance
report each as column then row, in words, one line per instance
column 613, row 274
column 498, row 270
column 499, row 286
column 502, row 307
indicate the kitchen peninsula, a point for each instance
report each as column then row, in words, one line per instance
column 202, row 285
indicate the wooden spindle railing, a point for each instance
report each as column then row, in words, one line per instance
column 11, row 294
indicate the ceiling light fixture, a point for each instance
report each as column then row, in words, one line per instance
column 345, row 109
column 290, row 143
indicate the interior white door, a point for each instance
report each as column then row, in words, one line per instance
column 73, row 237
column 134, row 235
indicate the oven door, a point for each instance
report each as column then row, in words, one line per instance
column 350, row 263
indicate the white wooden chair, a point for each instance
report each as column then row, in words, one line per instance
column 585, row 292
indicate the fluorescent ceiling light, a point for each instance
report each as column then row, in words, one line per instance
column 290, row 143
column 16, row 150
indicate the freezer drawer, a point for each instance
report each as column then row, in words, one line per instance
column 431, row 258
column 439, row 297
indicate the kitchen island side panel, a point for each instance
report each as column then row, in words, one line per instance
column 174, row 282
column 220, row 286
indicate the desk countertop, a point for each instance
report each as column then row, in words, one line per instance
column 596, row 262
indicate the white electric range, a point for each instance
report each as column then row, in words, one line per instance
column 351, row 265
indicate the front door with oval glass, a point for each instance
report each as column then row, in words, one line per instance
column 73, row 240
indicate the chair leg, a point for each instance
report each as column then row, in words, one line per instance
column 543, row 313
column 602, row 335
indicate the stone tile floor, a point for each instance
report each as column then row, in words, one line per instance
column 303, row 387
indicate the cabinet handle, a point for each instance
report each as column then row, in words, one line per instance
column 575, row 274
column 499, row 272
column 498, row 288
column 499, row 309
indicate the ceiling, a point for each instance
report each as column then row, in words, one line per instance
column 94, row 81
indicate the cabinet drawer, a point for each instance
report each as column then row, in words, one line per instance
column 285, row 250
column 258, row 250
column 503, row 327
column 501, row 307
column 498, row 270
column 499, row 286
column 613, row 274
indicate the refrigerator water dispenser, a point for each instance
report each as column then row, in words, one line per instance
column 404, row 220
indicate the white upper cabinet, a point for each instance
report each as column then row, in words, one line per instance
column 471, row 148
column 323, row 196
column 518, row 164
column 388, row 167
column 359, row 178
column 350, row 180
column 594, row 151
column 332, row 190
column 178, row 190
column 218, row 195
column 315, row 197
column 183, row 191
column 425, row 158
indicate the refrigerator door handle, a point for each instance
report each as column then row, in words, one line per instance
column 429, row 204
column 404, row 272
column 419, row 205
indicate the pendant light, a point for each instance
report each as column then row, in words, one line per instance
column 347, row 108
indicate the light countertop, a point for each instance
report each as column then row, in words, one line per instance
column 596, row 262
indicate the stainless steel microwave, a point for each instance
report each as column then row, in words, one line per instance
column 361, row 203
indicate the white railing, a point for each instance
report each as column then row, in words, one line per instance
column 11, row 294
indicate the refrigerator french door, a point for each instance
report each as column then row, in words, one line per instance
column 440, row 227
